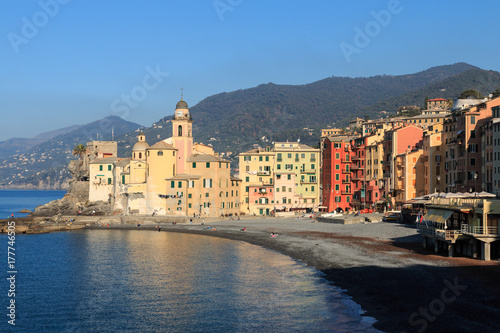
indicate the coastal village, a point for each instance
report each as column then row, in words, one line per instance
column 439, row 168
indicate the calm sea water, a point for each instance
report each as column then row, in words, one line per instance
column 12, row 201
column 148, row 281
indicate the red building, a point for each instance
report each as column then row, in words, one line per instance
column 358, row 173
column 337, row 162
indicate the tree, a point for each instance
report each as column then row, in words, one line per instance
column 496, row 93
column 79, row 150
column 470, row 93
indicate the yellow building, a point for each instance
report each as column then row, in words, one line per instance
column 257, row 175
column 171, row 177
column 284, row 178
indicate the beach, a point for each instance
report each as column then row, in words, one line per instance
column 382, row 266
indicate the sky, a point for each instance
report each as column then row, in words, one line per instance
column 68, row 62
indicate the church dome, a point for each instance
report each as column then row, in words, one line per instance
column 181, row 105
column 140, row 146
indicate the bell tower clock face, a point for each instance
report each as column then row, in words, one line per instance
column 179, row 113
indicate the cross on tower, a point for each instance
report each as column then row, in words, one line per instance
column 182, row 94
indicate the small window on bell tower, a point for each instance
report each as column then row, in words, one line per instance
column 179, row 131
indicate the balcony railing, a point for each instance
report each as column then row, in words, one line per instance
column 479, row 230
column 308, row 181
column 307, row 170
column 346, row 171
column 442, row 234
column 263, row 173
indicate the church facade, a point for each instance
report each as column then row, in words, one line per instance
column 174, row 176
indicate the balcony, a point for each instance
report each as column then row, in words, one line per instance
column 346, row 181
column 479, row 230
column 346, row 171
column 346, row 192
column 446, row 235
column 263, row 173
column 310, row 181
column 307, row 170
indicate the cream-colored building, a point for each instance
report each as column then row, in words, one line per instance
column 284, row 178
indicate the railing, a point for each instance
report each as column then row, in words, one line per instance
column 458, row 202
column 346, row 171
column 344, row 192
column 346, row 181
column 307, row 170
column 305, row 181
column 263, row 173
column 479, row 230
column 443, row 234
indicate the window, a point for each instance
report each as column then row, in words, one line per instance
column 109, row 167
column 179, row 184
column 473, row 119
column 160, row 153
column 208, row 165
column 312, row 188
column 194, row 165
column 100, row 167
column 312, row 166
column 289, row 177
column 191, row 183
column 123, row 179
column 260, row 158
column 289, row 155
column 337, row 187
column 246, row 188
column 207, row 183
column 172, row 184
column 278, row 157
column 278, row 167
column 190, row 195
column 109, row 181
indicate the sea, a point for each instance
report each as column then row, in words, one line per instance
column 148, row 281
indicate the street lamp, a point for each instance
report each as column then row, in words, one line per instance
column 475, row 184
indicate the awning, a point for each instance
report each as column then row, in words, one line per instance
column 437, row 215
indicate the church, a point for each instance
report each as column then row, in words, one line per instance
column 171, row 177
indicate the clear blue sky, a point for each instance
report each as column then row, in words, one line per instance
column 82, row 57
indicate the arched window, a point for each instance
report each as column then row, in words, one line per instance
column 140, row 155
column 160, row 153
column 179, row 131
column 284, row 200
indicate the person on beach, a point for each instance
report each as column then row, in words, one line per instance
column 12, row 215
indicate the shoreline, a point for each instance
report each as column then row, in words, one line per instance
column 381, row 266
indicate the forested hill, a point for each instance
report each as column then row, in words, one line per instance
column 238, row 119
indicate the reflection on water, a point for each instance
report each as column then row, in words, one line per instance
column 137, row 281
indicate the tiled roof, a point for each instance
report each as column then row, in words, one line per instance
column 162, row 145
column 105, row 160
column 205, row 158
column 184, row 176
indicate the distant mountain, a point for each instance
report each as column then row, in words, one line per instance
column 20, row 145
column 44, row 165
column 237, row 120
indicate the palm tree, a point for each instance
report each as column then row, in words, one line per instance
column 79, row 150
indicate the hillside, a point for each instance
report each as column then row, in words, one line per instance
column 44, row 166
column 20, row 145
column 235, row 121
